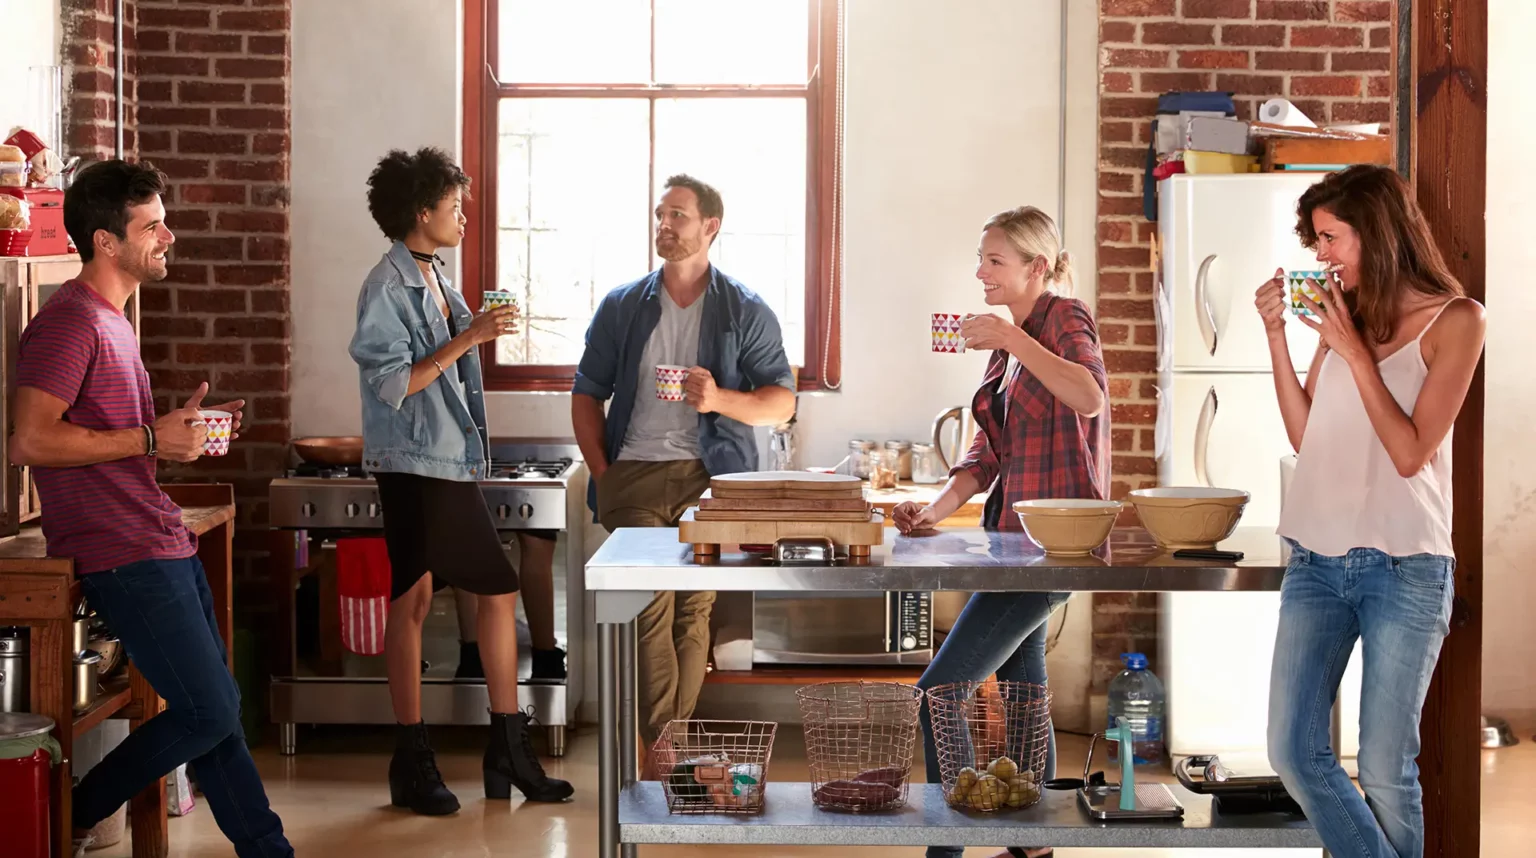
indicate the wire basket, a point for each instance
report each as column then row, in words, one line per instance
column 991, row 739
column 859, row 740
column 714, row 766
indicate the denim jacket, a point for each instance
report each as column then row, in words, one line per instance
column 740, row 343
column 438, row 431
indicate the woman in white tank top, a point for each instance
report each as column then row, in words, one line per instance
column 1368, row 515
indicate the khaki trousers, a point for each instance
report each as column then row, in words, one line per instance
column 673, row 631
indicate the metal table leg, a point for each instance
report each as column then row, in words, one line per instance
column 608, row 742
column 628, row 754
column 287, row 739
column 628, row 714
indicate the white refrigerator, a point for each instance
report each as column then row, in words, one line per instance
column 1220, row 237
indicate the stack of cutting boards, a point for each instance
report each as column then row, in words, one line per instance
column 761, row 507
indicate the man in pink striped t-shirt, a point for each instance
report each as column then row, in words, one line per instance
column 85, row 422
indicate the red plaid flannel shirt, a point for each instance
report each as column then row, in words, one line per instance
column 1043, row 449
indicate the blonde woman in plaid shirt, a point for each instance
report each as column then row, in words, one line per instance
column 1042, row 432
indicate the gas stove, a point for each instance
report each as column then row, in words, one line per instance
column 525, row 489
column 533, row 484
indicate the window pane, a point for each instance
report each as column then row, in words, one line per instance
column 573, row 215
column 731, row 41
column 574, row 41
column 758, row 166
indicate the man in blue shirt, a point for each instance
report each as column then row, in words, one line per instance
column 650, row 457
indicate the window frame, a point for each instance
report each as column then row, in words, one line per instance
column 823, row 301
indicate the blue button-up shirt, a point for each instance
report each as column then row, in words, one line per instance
column 740, row 343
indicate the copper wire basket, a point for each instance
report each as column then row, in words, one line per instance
column 859, row 741
column 714, row 766
column 991, row 739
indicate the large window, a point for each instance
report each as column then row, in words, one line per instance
column 577, row 111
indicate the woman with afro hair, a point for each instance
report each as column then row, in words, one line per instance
column 425, row 444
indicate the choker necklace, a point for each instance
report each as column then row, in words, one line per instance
column 427, row 257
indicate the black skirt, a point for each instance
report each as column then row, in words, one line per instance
column 442, row 527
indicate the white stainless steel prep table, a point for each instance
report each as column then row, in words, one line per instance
column 634, row 563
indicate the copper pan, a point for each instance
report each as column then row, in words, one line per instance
column 332, row 450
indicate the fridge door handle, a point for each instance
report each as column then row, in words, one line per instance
column 1205, row 317
column 1203, row 438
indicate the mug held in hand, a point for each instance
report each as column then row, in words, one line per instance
column 1308, row 284
column 669, row 382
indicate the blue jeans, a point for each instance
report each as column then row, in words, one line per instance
column 1400, row 608
column 162, row 611
column 1002, row 633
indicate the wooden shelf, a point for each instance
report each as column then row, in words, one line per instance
column 115, row 696
column 812, row 674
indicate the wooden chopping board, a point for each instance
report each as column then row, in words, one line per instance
column 844, row 533
column 798, row 481
column 854, row 516
column 856, row 493
column 813, row 502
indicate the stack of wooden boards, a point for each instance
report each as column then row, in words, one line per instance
column 762, row 507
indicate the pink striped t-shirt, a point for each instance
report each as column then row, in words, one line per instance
column 82, row 350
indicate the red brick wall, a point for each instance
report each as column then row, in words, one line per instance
column 213, row 114
column 1332, row 58
column 90, row 78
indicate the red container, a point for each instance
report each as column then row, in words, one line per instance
column 47, row 215
column 24, row 806
column 13, row 242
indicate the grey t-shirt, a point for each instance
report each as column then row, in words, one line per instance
column 661, row 431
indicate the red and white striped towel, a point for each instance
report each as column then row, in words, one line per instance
column 362, row 583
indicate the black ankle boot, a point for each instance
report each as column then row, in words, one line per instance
column 414, row 780
column 548, row 664
column 469, row 661
column 511, row 762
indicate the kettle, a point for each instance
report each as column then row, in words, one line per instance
column 951, row 443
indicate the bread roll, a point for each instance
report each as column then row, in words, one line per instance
column 13, row 167
column 13, row 213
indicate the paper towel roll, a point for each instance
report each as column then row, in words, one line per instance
column 1281, row 112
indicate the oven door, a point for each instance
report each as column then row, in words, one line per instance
column 841, row 628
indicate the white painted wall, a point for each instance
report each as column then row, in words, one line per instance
column 368, row 76
column 951, row 116
column 1509, row 472
column 29, row 36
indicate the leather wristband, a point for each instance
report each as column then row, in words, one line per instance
column 149, row 440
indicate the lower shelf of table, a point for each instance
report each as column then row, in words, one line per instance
column 789, row 818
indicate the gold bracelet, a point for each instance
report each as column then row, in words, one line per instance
column 439, row 366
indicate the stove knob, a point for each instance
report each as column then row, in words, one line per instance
column 351, row 510
column 373, row 510
column 503, row 512
column 307, row 510
column 909, row 642
column 525, row 511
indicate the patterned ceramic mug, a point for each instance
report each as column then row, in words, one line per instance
column 1307, row 284
column 491, row 300
column 221, row 425
column 946, row 333
column 669, row 382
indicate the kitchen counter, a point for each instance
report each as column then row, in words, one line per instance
column 634, row 563
column 965, row 559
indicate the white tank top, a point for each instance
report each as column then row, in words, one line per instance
column 1346, row 492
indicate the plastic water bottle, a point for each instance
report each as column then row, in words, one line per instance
column 1137, row 698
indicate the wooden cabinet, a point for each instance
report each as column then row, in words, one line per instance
column 26, row 284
